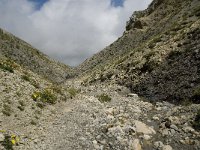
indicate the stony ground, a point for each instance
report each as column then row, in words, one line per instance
column 125, row 123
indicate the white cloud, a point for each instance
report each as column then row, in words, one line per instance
column 68, row 30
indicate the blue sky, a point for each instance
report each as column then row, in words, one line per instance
column 117, row 2
column 40, row 3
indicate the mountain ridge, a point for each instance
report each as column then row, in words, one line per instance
column 31, row 58
column 152, row 36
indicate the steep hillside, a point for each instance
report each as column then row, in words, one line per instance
column 158, row 55
column 24, row 54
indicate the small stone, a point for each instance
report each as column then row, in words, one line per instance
column 182, row 142
column 155, row 118
column 82, row 139
column 129, row 130
column 98, row 137
column 110, row 111
column 135, row 145
column 2, row 137
column 115, row 130
column 174, row 120
column 110, row 117
column 35, row 140
column 188, row 129
column 167, row 147
column 95, row 144
column 158, row 108
column 189, row 141
column 132, row 95
column 143, row 128
column 172, row 131
column 168, row 124
column 147, row 137
column 165, row 132
column 174, row 127
column 158, row 144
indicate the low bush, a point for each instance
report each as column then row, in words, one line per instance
column 7, row 144
column 6, row 67
column 72, row 92
column 6, row 110
column 104, row 98
column 46, row 96
column 26, row 78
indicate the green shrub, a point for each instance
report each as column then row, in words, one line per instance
column 46, row 96
column 32, row 82
column 7, row 144
column 6, row 110
column 6, row 67
column 40, row 105
column 35, row 96
column 35, row 84
column 104, row 98
column 26, row 78
column 73, row 92
column 196, row 123
column 153, row 42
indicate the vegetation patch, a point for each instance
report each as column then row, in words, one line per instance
column 46, row 96
column 153, row 42
column 26, row 78
column 104, row 98
column 10, row 141
column 7, row 144
column 72, row 92
column 6, row 67
column 6, row 110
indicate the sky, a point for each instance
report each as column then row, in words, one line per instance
column 69, row 31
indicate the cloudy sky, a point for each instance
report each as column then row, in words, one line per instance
column 68, row 30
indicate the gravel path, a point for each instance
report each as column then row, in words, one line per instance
column 125, row 123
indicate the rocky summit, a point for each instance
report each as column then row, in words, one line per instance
column 142, row 92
